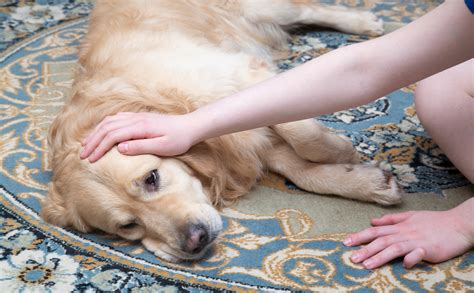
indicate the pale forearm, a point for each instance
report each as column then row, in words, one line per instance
column 330, row 83
column 344, row 78
column 347, row 77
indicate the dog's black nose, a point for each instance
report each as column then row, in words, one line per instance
column 197, row 239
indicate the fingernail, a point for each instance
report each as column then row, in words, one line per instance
column 123, row 147
column 356, row 257
column 347, row 241
column 82, row 153
column 368, row 264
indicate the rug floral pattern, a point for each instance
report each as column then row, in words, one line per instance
column 39, row 42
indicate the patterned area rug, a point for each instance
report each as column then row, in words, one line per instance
column 276, row 238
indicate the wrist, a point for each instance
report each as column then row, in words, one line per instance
column 198, row 126
column 464, row 214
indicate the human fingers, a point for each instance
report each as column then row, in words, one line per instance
column 113, row 137
column 391, row 219
column 393, row 251
column 413, row 257
column 97, row 136
column 156, row 146
column 374, row 247
column 368, row 235
column 160, row 146
column 106, row 120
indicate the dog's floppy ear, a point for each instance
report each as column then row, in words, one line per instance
column 52, row 208
column 203, row 161
column 226, row 173
column 54, row 211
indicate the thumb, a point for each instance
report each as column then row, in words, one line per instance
column 143, row 146
column 391, row 219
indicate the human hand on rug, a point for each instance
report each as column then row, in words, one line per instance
column 334, row 82
column 139, row 133
column 416, row 235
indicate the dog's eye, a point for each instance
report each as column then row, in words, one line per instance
column 152, row 181
column 129, row 226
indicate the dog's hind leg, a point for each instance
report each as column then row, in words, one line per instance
column 293, row 12
column 314, row 142
column 361, row 182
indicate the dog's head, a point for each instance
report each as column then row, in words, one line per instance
column 170, row 204
column 147, row 198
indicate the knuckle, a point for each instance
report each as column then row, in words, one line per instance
column 422, row 252
column 398, row 248
column 413, row 235
column 141, row 132
column 105, row 128
column 133, row 147
column 114, row 136
column 385, row 241
column 110, row 136
column 376, row 261
column 372, row 232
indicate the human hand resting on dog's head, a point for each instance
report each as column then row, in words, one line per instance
column 139, row 133
column 347, row 77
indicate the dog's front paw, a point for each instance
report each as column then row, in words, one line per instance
column 371, row 25
column 156, row 248
column 382, row 185
column 364, row 23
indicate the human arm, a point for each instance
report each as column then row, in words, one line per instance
column 341, row 79
column 349, row 76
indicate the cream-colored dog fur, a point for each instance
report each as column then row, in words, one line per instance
column 174, row 56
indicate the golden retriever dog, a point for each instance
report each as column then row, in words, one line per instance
column 174, row 56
